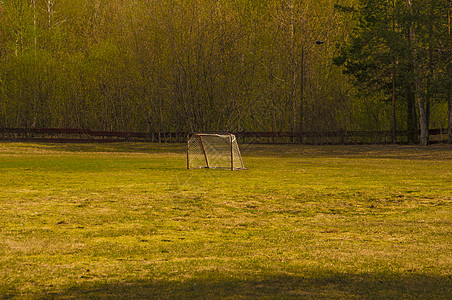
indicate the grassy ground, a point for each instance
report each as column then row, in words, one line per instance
column 129, row 221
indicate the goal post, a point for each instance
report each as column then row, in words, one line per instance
column 214, row 151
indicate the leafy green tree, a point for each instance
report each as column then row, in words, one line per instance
column 374, row 55
column 391, row 52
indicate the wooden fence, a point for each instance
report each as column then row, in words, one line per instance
column 71, row 135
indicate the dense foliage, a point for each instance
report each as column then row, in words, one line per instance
column 148, row 65
column 401, row 49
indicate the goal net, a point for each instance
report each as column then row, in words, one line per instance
column 217, row 151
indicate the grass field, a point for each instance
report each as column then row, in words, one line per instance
column 128, row 221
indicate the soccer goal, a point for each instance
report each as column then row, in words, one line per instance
column 216, row 151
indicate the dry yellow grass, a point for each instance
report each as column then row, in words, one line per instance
column 129, row 221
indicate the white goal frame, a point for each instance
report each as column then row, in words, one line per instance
column 213, row 151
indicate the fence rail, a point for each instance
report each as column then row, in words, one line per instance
column 73, row 135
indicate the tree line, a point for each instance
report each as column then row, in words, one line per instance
column 224, row 65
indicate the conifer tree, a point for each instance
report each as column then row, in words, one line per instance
column 395, row 49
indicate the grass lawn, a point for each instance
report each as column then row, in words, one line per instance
column 129, row 221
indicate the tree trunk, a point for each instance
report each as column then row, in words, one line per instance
column 411, row 116
column 420, row 101
column 394, row 118
column 449, row 96
column 449, row 113
column 394, row 124
column 424, row 138
column 293, row 67
column 301, row 129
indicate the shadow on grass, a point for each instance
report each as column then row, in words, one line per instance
column 434, row 152
column 216, row 286
column 114, row 147
column 121, row 147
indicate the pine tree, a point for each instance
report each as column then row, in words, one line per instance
column 395, row 49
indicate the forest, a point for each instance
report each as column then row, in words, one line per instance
column 227, row 65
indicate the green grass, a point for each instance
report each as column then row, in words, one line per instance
column 129, row 221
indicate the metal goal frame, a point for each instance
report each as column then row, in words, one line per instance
column 213, row 151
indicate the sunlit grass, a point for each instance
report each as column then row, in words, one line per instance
column 129, row 221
